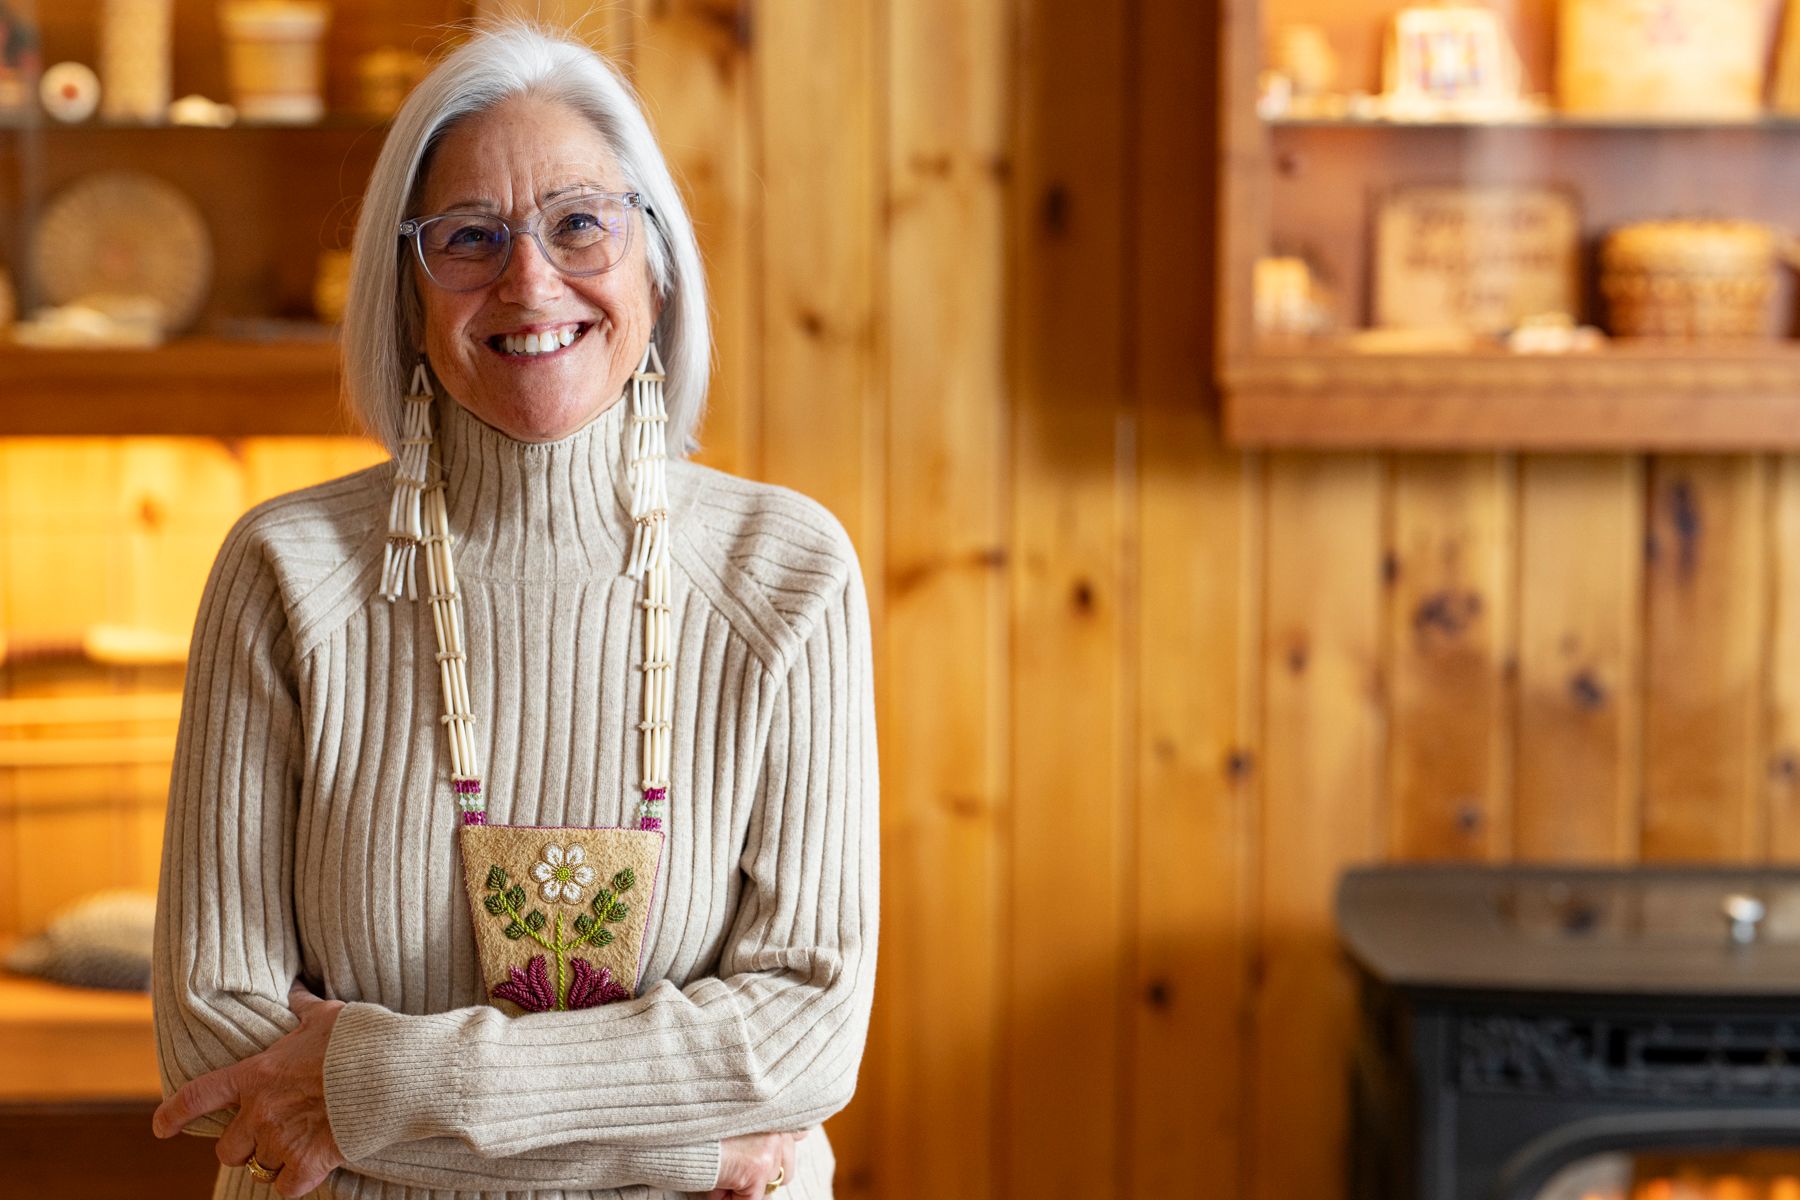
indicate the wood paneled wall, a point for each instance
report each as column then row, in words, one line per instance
column 1142, row 696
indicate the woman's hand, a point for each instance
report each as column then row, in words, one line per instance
column 280, row 1098
column 749, row 1164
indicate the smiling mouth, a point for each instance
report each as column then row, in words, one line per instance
column 538, row 345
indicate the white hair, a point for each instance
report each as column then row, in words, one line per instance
column 383, row 322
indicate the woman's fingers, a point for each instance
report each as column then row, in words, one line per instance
column 237, row 1143
column 790, row 1157
column 195, row 1098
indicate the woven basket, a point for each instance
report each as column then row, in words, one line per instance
column 1691, row 280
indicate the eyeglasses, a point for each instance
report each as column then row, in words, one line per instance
column 578, row 235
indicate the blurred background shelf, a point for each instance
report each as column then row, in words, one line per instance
column 1538, row 121
column 1627, row 397
column 201, row 386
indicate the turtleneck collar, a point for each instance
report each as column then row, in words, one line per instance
column 534, row 510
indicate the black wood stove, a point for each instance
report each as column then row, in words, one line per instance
column 1516, row 1021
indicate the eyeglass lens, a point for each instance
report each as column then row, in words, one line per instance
column 582, row 235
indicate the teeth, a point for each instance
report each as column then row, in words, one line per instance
column 533, row 343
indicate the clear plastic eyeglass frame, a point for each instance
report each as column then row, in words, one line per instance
column 413, row 229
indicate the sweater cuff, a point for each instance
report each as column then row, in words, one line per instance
column 677, row 1168
column 389, row 1079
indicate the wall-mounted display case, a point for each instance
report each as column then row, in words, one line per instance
column 1557, row 224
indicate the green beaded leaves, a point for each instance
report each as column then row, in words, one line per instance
column 506, row 901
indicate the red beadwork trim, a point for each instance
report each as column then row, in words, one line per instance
column 650, row 823
column 656, row 793
column 465, row 787
column 474, row 818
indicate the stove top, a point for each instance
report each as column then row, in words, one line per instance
column 1702, row 931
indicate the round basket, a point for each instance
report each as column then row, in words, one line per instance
column 1691, row 280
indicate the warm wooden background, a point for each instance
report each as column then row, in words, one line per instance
column 1142, row 696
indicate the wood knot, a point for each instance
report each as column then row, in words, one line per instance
column 1239, row 764
column 1159, row 995
column 1082, row 597
column 1448, row 612
column 1588, row 693
column 1054, row 210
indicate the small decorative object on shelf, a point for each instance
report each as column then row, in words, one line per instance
column 135, row 58
column 384, row 78
column 1784, row 95
column 1451, row 61
column 117, row 237
column 273, row 51
column 1289, row 300
column 19, row 61
column 202, row 112
column 1693, row 280
column 1304, row 72
column 70, row 92
column 1670, row 59
column 1476, row 258
column 331, row 285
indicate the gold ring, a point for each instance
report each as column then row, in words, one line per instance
column 774, row 1185
column 261, row 1173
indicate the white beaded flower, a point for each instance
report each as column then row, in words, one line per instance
column 563, row 873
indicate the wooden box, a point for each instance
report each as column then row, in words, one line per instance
column 1668, row 59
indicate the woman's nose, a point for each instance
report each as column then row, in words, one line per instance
column 529, row 276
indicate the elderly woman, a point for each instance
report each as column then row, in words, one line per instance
column 522, row 831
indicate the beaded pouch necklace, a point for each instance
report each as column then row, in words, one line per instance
column 560, row 911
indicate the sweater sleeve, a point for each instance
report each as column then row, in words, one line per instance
column 227, row 947
column 771, row 1042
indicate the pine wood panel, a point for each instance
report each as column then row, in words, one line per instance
column 694, row 68
column 9, row 815
column 821, row 417
column 1780, row 757
column 272, row 466
column 1580, row 572
column 1449, row 629
column 1322, row 806
column 930, row 1100
column 822, row 412
column 1198, row 598
column 61, row 566
column 1705, row 585
column 1071, row 818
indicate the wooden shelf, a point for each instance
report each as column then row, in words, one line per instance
column 205, row 387
column 65, row 1043
column 1627, row 398
column 1541, row 121
column 39, row 124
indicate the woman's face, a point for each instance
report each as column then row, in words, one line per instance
column 508, row 160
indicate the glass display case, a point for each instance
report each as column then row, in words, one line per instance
column 1558, row 224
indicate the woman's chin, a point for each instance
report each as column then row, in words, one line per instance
column 543, row 422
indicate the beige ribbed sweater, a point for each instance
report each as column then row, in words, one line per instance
column 312, row 831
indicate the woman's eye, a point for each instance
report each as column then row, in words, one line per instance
column 469, row 235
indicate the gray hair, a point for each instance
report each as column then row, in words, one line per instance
column 383, row 322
